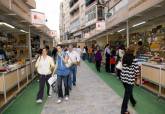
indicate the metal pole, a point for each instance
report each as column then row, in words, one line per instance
column 10, row 4
column 4, row 88
column 127, row 34
column 30, row 52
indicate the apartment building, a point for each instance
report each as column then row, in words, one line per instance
column 64, row 20
column 83, row 16
column 105, row 20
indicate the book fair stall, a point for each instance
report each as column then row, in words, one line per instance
column 15, row 67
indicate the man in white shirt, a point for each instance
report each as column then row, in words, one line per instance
column 107, row 53
column 79, row 51
column 75, row 58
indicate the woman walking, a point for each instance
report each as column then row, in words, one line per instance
column 44, row 66
column 129, row 71
column 98, row 59
column 62, row 74
column 84, row 54
column 120, row 53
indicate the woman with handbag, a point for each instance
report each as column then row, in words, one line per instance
column 62, row 72
column 120, row 54
column 44, row 66
column 129, row 71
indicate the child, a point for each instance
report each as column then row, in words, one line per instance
column 112, row 63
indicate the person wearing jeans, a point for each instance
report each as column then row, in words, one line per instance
column 61, row 78
column 62, row 74
column 129, row 71
column 73, row 73
column 44, row 66
column 75, row 58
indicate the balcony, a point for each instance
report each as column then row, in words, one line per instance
column 74, row 8
column 18, row 8
column 89, row 2
column 127, row 9
column 72, row 3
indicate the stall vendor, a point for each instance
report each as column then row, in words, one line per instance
column 139, row 49
column 2, row 53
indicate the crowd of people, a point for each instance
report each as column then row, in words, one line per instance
column 118, row 59
column 64, row 61
column 121, row 61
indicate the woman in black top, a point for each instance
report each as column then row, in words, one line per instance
column 129, row 71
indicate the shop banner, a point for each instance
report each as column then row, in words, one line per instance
column 38, row 18
column 52, row 33
column 100, row 25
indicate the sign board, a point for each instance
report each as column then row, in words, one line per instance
column 52, row 33
column 100, row 25
column 86, row 35
column 38, row 18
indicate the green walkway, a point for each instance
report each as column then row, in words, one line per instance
column 147, row 103
column 25, row 102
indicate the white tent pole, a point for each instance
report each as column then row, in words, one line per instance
column 30, row 52
column 127, row 34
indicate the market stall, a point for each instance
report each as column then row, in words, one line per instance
column 152, row 58
column 14, row 80
column 15, row 69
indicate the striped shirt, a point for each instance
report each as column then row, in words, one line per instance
column 129, row 73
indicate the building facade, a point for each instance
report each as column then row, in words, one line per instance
column 80, row 20
column 99, row 19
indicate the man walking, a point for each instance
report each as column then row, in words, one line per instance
column 75, row 58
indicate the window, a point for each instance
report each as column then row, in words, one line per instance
column 72, row 2
column 91, row 14
column 100, row 13
column 88, row 2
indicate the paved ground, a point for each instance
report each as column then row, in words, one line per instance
column 90, row 96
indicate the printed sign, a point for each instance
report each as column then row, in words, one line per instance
column 38, row 18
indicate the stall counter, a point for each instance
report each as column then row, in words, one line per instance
column 154, row 74
column 12, row 81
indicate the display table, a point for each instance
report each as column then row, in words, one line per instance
column 13, row 81
column 154, row 78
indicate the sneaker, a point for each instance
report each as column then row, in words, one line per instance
column 66, row 98
column 39, row 101
column 59, row 101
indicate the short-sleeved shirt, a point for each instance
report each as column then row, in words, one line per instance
column 44, row 65
column 62, row 70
